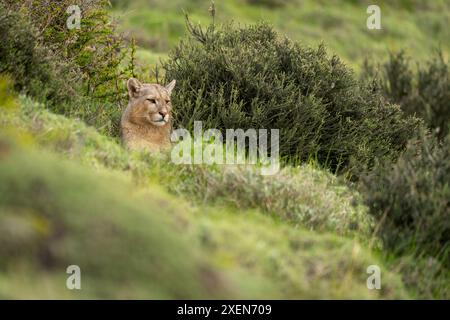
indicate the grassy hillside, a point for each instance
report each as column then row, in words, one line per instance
column 128, row 237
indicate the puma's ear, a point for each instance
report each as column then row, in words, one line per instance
column 170, row 86
column 133, row 87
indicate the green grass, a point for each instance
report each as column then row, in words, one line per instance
column 83, row 200
column 419, row 27
column 301, row 195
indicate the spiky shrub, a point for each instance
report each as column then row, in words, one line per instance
column 250, row 77
column 423, row 91
column 78, row 72
column 95, row 48
column 410, row 199
column 32, row 66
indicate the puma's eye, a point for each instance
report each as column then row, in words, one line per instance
column 153, row 101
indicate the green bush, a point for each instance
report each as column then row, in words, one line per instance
column 95, row 49
column 8, row 100
column 251, row 78
column 424, row 92
column 33, row 67
column 410, row 200
column 79, row 73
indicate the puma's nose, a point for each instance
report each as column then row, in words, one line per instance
column 163, row 113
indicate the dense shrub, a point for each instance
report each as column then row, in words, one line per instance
column 8, row 99
column 79, row 72
column 426, row 277
column 251, row 78
column 33, row 67
column 411, row 200
column 95, row 48
column 424, row 91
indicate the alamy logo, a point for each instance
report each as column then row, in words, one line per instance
column 374, row 20
column 74, row 280
column 74, row 20
column 241, row 147
column 374, row 280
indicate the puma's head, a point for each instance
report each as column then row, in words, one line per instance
column 149, row 104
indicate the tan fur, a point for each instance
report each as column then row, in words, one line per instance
column 146, row 122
